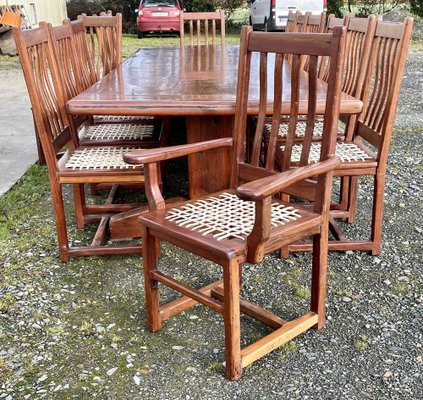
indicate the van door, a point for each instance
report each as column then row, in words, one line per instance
column 315, row 6
column 282, row 9
column 261, row 9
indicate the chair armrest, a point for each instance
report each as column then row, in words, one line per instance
column 167, row 153
column 265, row 187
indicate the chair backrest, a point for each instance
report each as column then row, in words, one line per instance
column 382, row 84
column 302, row 21
column 291, row 25
column 64, row 50
column 105, row 38
column 47, row 100
column 202, row 22
column 316, row 23
column 334, row 21
column 358, row 42
column 268, row 50
column 84, row 62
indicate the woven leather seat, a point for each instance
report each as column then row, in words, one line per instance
column 118, row 132
column 300, row 131
column 226, row 216
column 347, row 152
column 100, row 158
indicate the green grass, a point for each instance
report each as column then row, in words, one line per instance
column 9, row 62
column 361, row 342
column 131, row 43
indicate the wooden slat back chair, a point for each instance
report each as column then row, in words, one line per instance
column 302, row 22
column 315, row 24
column 357, row 51
column 105, row 40
column 334, row 21
column 78, row 165
column 296, row 23
column 291, row 24
column 245, row 222
column 367, row 152
column 138, row 131
column 198, row 22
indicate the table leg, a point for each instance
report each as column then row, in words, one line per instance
column 209, row 171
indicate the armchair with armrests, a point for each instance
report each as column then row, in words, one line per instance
column 248, row 220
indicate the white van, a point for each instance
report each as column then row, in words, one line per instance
column 272, row 15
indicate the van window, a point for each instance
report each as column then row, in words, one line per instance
column 159, row 3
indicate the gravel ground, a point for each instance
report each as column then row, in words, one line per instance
column 77, row 330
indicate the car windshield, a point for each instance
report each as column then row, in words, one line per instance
column 159, row 3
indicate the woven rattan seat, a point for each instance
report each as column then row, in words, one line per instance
column 226, row 216
column 347, row 152
column 96, row 158
column 118, row 132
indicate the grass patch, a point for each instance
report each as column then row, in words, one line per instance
column 131, row 43
column 289, row 347
column 302, row 292
column 361, row 342
column 400, row 289
column 9, row 62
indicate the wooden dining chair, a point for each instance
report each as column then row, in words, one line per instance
column 199, row 22
column 358, row 40
column 367, row 152
column 302, row 22
column 335, row 21
column 73, row 60
column 105, row 41
column 247, row 221
column 291, row 25
column 78, row 165
column 315, row 24
column 88, row 74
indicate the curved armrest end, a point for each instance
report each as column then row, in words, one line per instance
column 265, row 187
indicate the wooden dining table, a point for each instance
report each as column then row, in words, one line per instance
column 199, row 83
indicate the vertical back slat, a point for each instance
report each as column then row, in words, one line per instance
column 311, row 115
column 258, row 137
column 202, row 22
column 276, row 115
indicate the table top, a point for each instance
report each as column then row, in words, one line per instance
column 194, row 80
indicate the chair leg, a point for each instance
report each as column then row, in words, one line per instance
column 79, row 203
column 318, row 278
column 376, row 233
column 352, row 199
column 150, row 246
column 93, row 189
column 344, row 193
column 60, row 218
column 231, row 318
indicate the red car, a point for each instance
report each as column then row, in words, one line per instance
column 157, row 16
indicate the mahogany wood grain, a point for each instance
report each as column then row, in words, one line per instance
column 166, row 92
column 208, row 101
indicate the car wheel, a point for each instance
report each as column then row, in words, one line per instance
column 140, row 35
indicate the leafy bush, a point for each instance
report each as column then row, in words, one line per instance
column 416, row 7
column 89, row 7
